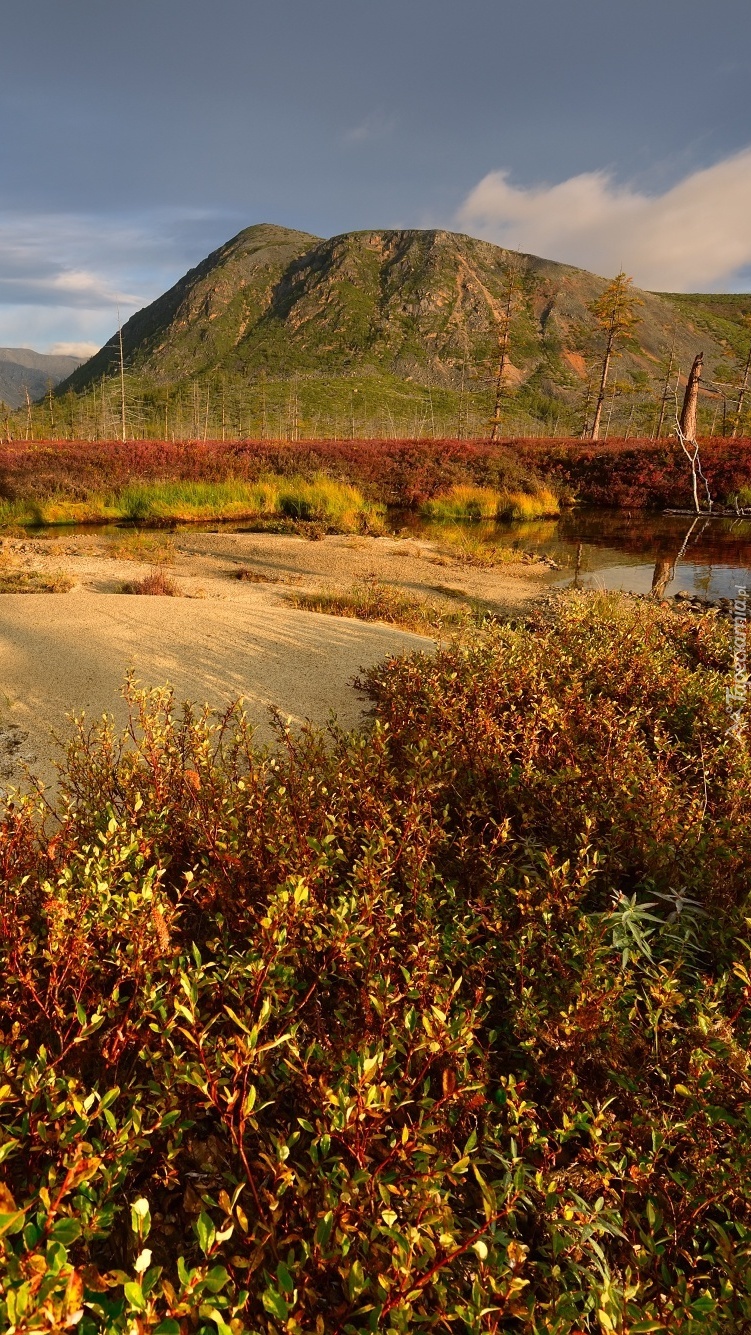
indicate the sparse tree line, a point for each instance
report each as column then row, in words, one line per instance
column 487, row 403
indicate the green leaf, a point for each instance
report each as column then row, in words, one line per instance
column 323, row 1229
column 284, row 1278
column 216, row 1279
column 56, row 1257
column 219, row 1321
column 168, row 1327
column 356, row 1280
column 140, row 1218
column 65, row 1231
column 134, row 1295
column 205, row 1232
column 470, row 1145
column 12, row 1222
column 274, row 1303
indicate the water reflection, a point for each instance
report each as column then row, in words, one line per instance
column 596, row 548
column 632, row 550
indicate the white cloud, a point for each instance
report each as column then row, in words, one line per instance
column 83, row 350
column 693, row 237
column 63, row 275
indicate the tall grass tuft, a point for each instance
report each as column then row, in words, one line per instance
column 375, row 601
column 475, row 503
column 338, row 505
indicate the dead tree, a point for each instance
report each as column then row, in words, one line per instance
column 686, row 430
column 504, row 339
column 665, row 392
column 742, row 392
column 122, row 377
column 665, row 567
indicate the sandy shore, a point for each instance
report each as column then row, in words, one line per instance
column 223, row 639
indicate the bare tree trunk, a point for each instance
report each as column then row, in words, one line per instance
column 122, row 375
column 664, row 574
column 585, row 423
column 504, row 337
column 595, row 433
column 691, row 399
column 665, row 391
column 686, row 428
column 742, row 395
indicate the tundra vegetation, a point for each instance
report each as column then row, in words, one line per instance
column 443, row 1024
column 345, row 485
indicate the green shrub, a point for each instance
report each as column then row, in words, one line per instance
column 441, row 1026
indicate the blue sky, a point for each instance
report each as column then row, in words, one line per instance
column 138, row 137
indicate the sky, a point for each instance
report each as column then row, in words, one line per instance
column 138, row 137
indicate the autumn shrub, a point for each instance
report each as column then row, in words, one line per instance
column 35, row 476
column 156, row 582
column 44, row 478
column 440, row 1025
column 638, row 474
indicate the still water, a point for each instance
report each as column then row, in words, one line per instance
column 618, row 549
column 595, row 548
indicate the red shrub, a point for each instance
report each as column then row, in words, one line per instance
column 634, row 473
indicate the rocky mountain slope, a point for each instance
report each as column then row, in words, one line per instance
column 398, row 313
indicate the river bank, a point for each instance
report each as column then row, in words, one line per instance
column 229, row 631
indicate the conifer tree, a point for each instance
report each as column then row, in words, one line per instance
column 615, row 315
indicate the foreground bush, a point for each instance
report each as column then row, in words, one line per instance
column 444, row 1026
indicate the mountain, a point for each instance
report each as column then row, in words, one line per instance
column 399, row 317
column 22, row 370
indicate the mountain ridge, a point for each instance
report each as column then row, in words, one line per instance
column 402, row 308
column 23, row 368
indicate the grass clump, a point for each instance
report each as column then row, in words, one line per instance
column 462, row 502
column 375, row 601
column 144, row 547
column 15, row 579
column 441, row 1026
column 156, row 582
column 528, row 505
column 339, row 506
column 469, row 549
column 476, row 503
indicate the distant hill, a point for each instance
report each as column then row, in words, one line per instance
column 21, row 370
column 394, row 316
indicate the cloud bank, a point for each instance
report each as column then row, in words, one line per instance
column 63, row 276
column 696, row 236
